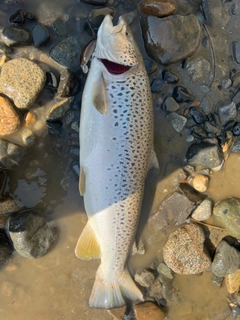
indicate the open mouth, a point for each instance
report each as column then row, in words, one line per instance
column 115, row 68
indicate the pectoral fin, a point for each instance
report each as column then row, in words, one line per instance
column 87, row 247
column 82, row 180
column 100, row 95
column 153, row 162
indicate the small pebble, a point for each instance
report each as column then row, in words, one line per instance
column 200, row 182
column 145, row 278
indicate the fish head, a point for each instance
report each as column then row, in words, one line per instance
column 116, row 44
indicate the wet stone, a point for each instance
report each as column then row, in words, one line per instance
column 31, row 235
column 181, row 94
column 175, row 42
column 96, row 16
column 197, row 115
column 4, row 49
column 144, row 277
column 170, row 77
column 233, row 282
column 66, row 52
column 18, row 17
column 226, row 260
column 157, row 8
column 51, row 81
column 226, row 111
column 10, row 154
column 199, row 69
column 14, row 36
column 150, row 65
column 184, row 251
column 204, row 154
column 148, row 310
column 3, row 179
column 68, row 84
column 200, row 182
column 7, row 205
column 59, row 109
column 60, row 27
column 155, row 290
column 227, row 212
column 163, row 269
column 236, row 51
column 170, row 105
column 40, row 35
column 174, row 210
column 192, row 194
column 9, row 119
column 203, row 211
column 235, row 312
column 236, row 129
column 198, row 132
column 22, row 80
column 211, row 128
column 118, row 313
column 178, row 121
column 158, row 85
column 31, row 17
column 5, row 250
column 217, row 280
column 28, row 137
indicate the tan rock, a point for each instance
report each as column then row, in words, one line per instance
column 159, row 8
column 117, row 313
column 148, row 311
column 200, row 182
column 9, row 119
column 30, row 118
column 233, row 281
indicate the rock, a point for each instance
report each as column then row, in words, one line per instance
column 5, row 250
column 211, row 128
column 14, row 36
column 148, row 310
column 163, row 269
column 178, row 121
column 3, row 179
column 181, row 94
column 54, row 126
column 144, row 277
column 174, row 210
column 184, row 250
column 59, row 109
column 22, row 81
column 28, row 137
column 9, row 119
column 10, row 154
column 227, row 212
column 226, row 260
column 117, row 313
column 206, row 105
column 175, row 42
column 31, row 17
column 96, row 17
column 18, row 17
column 198, row 132
column 199, row 69
column 226, row 111
column 40, row 35
column 236, row 129
column 66, row 52
column 68, row 85
column 157, row 8
column 217, row 280
column 192, row 194
column 235, row 312
column 4, row 49
column 155, row 290
column 200, row 182
column 233, row 282
column 226, row 83
column 204, row 154
column 150, row 65
column 158, row 85
column 48, row 12
column 75, row 126
column 7, row 205
column 31, row 235
column 169, row 76
column 30, row 118
column 197, row 115
column 60, row 27
column 203, row 211
column 236, row 51
column 51, row 81
column 170, row 105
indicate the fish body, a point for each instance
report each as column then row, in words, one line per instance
column 116, row 151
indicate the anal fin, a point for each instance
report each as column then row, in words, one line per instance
column 87, row 247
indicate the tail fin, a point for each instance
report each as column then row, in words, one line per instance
column 110, row 292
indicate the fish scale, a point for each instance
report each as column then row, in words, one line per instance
column 116, row 148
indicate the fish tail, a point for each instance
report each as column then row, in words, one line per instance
column 108, row 293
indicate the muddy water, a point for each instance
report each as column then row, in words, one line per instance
column 57, row 286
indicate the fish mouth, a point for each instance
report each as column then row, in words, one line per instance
column 115, row 68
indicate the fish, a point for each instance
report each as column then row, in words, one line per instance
column 116, row 153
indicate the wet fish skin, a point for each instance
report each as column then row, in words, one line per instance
column 116, row 151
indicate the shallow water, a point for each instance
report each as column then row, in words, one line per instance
column 57, row 286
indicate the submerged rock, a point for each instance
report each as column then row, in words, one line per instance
column 14, row 36
column 226, row 112
column 59, row 109
column 10, row 154
column 9, row 119
column 226, row 260
column 145, row 278
column 227, row 212
column 233, row 282
column 184, row 251
column 178, row 122
column 203, row 211
column 170, row 39
column 40, row 35
column 157, row 8
column 22, row 80
column 31, row 235
column 200, row 182
column 148, row 310
column 5, row 250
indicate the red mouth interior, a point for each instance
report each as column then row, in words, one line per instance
column 115, row 68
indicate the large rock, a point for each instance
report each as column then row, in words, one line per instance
column 170, row 39
column 22, row 80
column 31, row 234
column 184, row 251
column 9, row 119
column 227, row 212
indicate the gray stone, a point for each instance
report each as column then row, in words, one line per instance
column 206, row 105
column 66, row 52
column 10, row 154
column 178, row 121
column 203, row 211
column 226, row 260
column 236, row 51
column 199, row 69
column 59, row 109
column 227, row 111
column 217, row 280
column 31, row 235
column 163, row 269
column 144, row 277
column 40, row 35
column 204, row 154
column 236, row 145
column 155, row 291
column 170, row 105
column 170, row 39
column 172, row 211
column 22, row 80
column 28, row 137
column 14, row 36
column 211, row 128
column 184, row 251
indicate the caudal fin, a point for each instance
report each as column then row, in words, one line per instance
column 110, row 292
